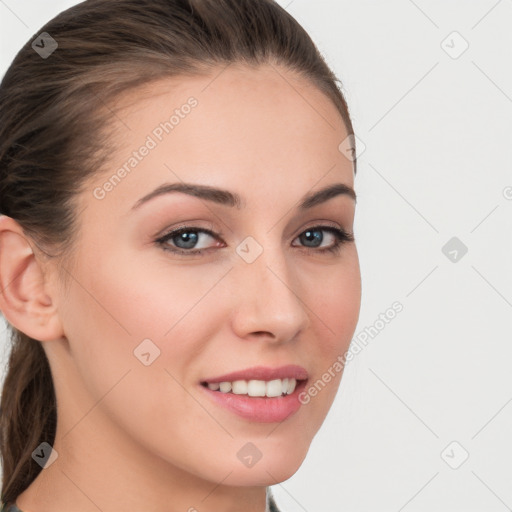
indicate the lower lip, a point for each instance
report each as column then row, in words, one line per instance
column 259, row 409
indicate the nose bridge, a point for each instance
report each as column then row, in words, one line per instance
column 267, row 291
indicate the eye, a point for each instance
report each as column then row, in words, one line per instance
column 314, row 235
column 185, row 238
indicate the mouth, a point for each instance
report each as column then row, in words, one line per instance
column 256, row 388
column 259, row 394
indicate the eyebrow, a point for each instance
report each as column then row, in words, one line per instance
column 232, row 199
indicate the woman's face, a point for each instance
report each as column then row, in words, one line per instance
column 146, row 328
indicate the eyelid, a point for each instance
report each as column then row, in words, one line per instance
column 341, row 235
column 219, row 234
column 189, row 225
column 321, row 223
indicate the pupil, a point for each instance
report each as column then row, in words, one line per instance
column 189, row 238
column 309, row 237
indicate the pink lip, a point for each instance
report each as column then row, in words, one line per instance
column 263, row 373
column 259, row 409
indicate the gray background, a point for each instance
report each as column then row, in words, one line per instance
column 434, row 122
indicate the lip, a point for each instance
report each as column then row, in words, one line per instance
column 290, row 371
column 258, row 409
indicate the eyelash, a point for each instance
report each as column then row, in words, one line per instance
column 341, row 236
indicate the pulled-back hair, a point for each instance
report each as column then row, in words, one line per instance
column 54, row 112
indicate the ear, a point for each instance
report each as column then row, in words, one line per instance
column 24, row 296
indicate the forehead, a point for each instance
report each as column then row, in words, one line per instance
column 254, row 99
column 250, row 129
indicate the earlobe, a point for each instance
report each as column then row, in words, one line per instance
column 24, row 300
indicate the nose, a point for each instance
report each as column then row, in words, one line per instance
column 269, row 300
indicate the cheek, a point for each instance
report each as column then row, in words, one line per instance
column 107, row 317
column 335, row 302
column 138, row 298
column 119, row 319
column 335, row 310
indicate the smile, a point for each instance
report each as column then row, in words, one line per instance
column 270, row 389
column 259, row 394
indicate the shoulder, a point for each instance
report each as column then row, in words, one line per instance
column 8, row 507
column 272, row 507
column 271, row 504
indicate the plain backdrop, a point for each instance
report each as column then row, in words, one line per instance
column 423, row 417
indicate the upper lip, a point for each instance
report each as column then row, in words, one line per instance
column 290, row 371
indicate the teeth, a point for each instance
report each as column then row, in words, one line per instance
column 275, row 388
column 256, row 388
column 239, row 387
column 225, row 387
column 270, row 389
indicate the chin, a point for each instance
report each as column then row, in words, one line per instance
column 263, row 476
column 278, row 465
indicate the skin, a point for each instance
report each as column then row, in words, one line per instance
column 136, row 437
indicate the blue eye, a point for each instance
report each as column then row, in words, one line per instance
column 185, row 239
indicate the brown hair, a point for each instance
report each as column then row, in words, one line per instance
column 53, row 126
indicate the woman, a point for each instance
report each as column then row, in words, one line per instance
column 177, row 262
